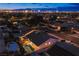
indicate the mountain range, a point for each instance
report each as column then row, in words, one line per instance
column 76, row 8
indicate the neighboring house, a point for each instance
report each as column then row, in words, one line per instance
column 2, row 44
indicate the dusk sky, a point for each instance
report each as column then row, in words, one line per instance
column 35, row 5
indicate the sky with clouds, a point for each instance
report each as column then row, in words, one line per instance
column 35, row 5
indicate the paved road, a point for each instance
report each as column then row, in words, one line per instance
column 73, row 38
